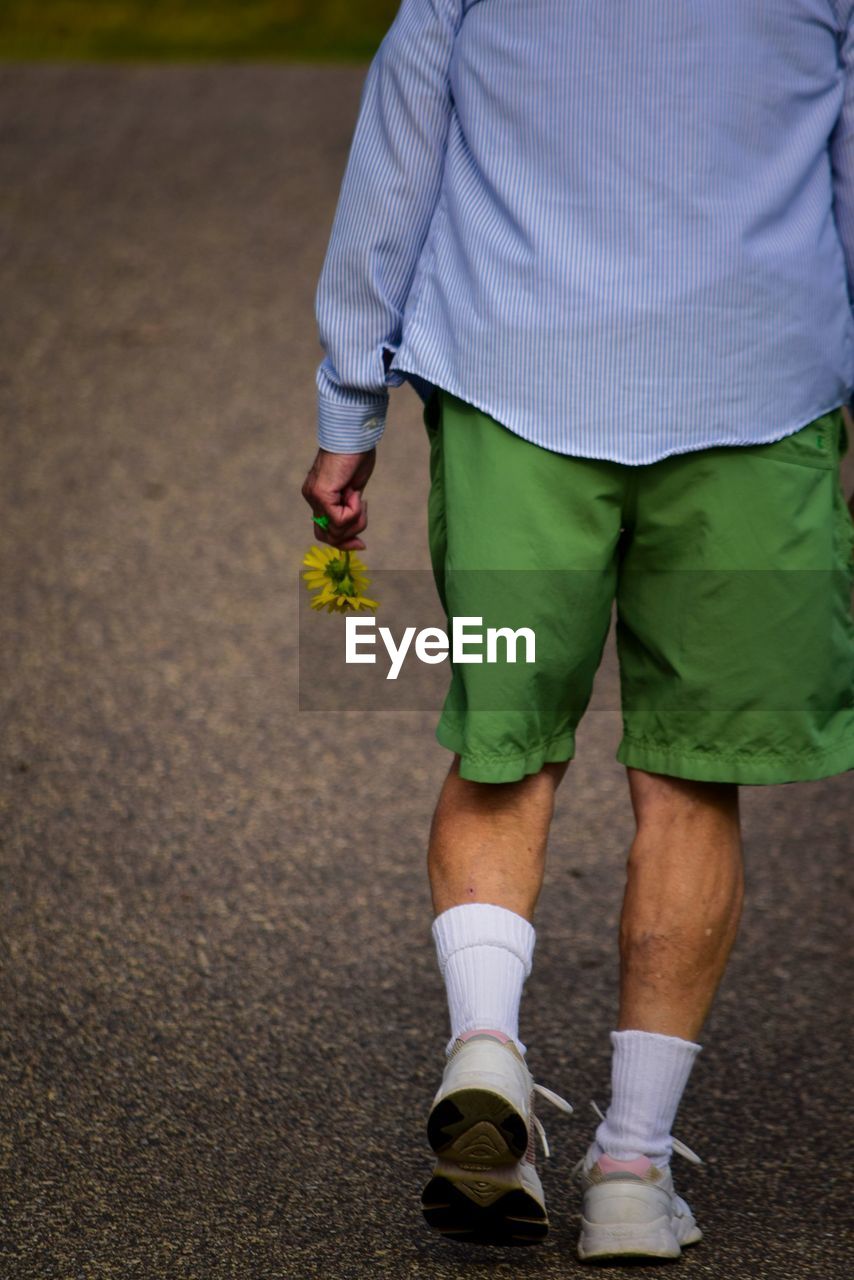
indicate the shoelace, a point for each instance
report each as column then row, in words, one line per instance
column 679, row 1147
column 557, row 1101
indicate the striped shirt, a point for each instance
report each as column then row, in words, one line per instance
column 623, row 228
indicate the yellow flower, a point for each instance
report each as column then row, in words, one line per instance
column 339, row 579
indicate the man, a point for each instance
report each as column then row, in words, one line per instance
column 612, row 248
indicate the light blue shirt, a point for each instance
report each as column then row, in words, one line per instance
column 623, row 228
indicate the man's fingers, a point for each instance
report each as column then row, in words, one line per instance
column 344, row 526
column 342, row 515
column 349, row 542
column 341, row 525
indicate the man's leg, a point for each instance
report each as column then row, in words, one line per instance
column 486, row 861
column 680, row 915
column 681, row 909
column 488, row 840
column 682, row 903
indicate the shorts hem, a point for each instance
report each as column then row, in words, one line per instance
column 498, row 767
column 756, row 770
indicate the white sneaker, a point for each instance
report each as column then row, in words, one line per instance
column 485, row 1188
column 630, row 1208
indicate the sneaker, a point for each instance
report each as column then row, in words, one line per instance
column 630, row 1208
column 485, row 1188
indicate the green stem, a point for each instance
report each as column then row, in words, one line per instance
column 341, row 575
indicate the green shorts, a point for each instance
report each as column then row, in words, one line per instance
column 732, row 569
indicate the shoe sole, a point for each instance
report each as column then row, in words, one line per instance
column 477, row 1127
column 474, row 1208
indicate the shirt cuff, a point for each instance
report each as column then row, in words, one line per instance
column 349, row 428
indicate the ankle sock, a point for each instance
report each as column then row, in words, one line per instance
column 485, row 954
column 648, row 1076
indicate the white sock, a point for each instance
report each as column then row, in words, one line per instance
column 648, row 1076
column 485, row 954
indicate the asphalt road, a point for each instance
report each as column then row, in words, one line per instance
column 221, row 1022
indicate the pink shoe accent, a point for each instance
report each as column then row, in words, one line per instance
column 497, row 1035
column 640, row 1165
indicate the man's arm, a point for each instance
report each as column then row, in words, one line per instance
column 388, row 194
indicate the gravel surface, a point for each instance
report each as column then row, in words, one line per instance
column 221, row 1018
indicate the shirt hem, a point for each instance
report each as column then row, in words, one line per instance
column 440, row 379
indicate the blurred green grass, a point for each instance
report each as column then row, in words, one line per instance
column 194, row 30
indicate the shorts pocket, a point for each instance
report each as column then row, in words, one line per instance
column 817, row 444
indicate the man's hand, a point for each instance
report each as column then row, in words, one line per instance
column 333, row 488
